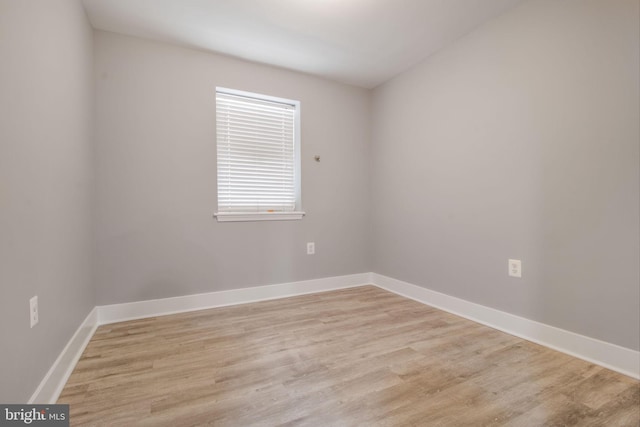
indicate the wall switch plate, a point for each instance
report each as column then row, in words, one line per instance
column 33, row 310
column 515, row 268
column 311, row 248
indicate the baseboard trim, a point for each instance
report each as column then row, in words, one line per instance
column 160, row 307
column 610, row 356
column 53, row 382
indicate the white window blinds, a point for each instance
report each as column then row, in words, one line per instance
column 256, row 145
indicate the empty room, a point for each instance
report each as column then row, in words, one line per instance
column 320, row 212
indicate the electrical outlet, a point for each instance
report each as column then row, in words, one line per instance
column 311, row 248
column 33, row 310
column 515, row 268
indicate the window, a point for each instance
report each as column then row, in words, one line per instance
column 258, row 141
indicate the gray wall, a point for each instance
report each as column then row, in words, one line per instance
column 156, row 176
column 521, row 141
column 46, row 102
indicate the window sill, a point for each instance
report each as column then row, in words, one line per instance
column 257, row 216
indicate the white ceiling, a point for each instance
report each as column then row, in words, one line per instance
column 360, row 42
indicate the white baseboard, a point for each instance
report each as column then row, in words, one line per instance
column 605, row 354
column 611, row 356
column 159, row 307
column 53, row 382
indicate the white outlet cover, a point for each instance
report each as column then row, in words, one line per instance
column 311, row 248
column 515, row 268
column 33, row 311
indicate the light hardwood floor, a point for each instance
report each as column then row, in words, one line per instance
column 353, row 357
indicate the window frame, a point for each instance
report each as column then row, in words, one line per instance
column 297, row 213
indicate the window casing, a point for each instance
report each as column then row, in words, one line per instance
column 258, row 149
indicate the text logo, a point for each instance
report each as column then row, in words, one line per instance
column 34, row 415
